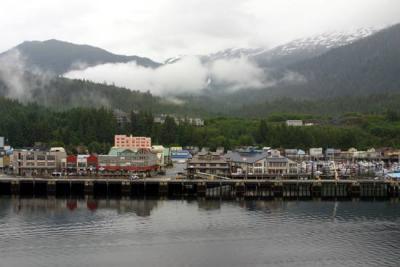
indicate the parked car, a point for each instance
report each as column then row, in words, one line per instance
column 133, row 177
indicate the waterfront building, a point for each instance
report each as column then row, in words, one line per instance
column 4, row 158
column 159, row 151
column 213, row 163
column 125, row 159
column 332, row 153
column 4, row 162
column 280, row 165
column 180, row 155
column 80, row 164
column 372, row 153
column 70, row 165
column 132, row 142
column 349, row 154
column 167, row 156
column 37, row 162
column 247, row 162
column 295, row 154
column 254, row 162
column 316, row 153
column 193, row 150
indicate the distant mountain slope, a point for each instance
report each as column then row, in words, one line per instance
column 369, row 65
column 309, row 47
column 289, row 53
column 59, row 57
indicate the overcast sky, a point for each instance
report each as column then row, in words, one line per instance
column 164, row 28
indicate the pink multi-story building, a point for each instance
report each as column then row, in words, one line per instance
column 123, row 141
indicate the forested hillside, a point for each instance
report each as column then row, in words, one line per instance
column 23, row 125
column 62, row 93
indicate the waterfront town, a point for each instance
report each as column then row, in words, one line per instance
column 136, row 157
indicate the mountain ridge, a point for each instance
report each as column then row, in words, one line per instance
column 58, row 57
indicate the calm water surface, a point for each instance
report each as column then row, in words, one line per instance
column 56, row 232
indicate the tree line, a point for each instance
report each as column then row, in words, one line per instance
column 94, row 129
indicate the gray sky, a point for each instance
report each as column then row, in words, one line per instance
column 164, row 28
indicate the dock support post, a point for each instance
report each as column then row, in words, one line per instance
column 393, row 189
column 355, row 189
column 240, row 189
column 89, row 188
column 316, row 189
column 277, row 189
column 126, row 188
column 51, row 188
column 15, row 187
column 201, row 189
column 163, row 189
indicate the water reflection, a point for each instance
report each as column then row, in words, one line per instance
column 198, row 232
column 140, row 207
column 145, row 207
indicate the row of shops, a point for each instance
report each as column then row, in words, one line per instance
column 55, row 161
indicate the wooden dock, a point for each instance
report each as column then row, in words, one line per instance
column 171, row 187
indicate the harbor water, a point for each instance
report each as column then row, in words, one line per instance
column 199, row 232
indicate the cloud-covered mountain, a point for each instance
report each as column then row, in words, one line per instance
column 292, row 52
column 269, row 67
column 58, row 57
column 330, row 65
column 306, row 48
column 369, row 65
column 364, row 67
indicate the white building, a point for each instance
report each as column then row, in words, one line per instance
column 316, row 152
column 294, row 123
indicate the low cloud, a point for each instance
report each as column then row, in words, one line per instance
column 12, row 74
column 26, row 83
column 239, row 73
column 185, row 75
column 188, row 75
column 19, row 80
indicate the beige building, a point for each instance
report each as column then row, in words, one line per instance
column 244, row 163
column 128, row 160
column 37, row 162
column 132, row 142
column 4, row 162
column 208, row 162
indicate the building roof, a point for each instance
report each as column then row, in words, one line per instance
column 180, row 154
column 277, row 159
column 57, row 149
column 245, row 157
column 117, row 151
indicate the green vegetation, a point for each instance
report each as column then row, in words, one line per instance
column 60, row 94
column 23, row 125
